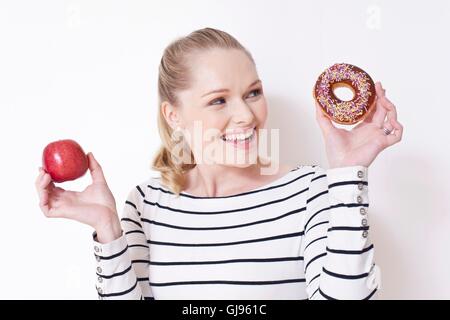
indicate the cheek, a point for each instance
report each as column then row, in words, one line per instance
column 260, row 110
column 205, row 121
column 206, row 126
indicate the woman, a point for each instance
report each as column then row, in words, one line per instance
column 215, row 228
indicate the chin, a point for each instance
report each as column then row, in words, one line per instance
column 242, row 164
column 239, row 165
column 227, row 155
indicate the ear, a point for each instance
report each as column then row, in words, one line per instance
column 171, row 114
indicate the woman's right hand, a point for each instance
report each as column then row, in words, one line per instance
column 94, row 206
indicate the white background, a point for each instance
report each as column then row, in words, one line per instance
column 87, row 70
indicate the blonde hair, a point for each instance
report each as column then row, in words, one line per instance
column 173, row 77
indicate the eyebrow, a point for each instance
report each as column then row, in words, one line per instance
column 224, row 90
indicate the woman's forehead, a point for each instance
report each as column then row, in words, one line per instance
column 222, row 70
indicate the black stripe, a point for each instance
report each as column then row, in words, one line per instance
column 234, row 195
column 114, row 294
column 140, row 191
column 371, row 294
column 349, row 205
column 225, row 211
column 134, row 206
column 138, row 245
column 317, row 224
column 139, row 261
column 170, row 263
column 325, row 295
column 163, row 284
column 330, row 298
column 282, row 236
column 115, row 274
column 317, row 276
column 135, row 231
column 142, row 279
column 224, row 227
column 345, row 276
column 343, row 183
column 131, row 220
column 316, row 196
column 114, row 255
column 348, row 228
column 314, row 293
column 315, row 258
column 131, row 204
column 350, row 251
column 149, row 298
column 318, row 177
column 314, row 241
column 315, row 214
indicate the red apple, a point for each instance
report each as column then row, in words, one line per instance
column 64, row 160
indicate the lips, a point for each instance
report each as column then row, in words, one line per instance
column 242, row 135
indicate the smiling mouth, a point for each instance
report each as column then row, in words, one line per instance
column 241, row 137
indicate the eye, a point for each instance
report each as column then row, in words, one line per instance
column 219, row 101
column 257, row 92
column 214, row 102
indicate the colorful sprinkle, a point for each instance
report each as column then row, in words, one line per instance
column 345, row 112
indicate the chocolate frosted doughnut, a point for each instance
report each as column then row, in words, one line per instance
column 345, row 75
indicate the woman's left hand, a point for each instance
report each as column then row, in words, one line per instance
column 362, row 144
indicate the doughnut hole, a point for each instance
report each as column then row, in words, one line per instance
column 343, row 91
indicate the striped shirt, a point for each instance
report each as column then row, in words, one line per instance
column 302, row 236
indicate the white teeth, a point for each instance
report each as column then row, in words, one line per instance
column 240, row 136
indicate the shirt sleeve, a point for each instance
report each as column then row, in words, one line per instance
column 122, row 265
column 338, row 254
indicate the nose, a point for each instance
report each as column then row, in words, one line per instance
column 242, row 114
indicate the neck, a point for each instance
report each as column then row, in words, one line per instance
column 220, row 180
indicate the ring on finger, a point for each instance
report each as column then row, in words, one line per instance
column 387, row 131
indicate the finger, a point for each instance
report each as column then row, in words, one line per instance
column 392, row 111
column 95, row 169
column 44, row 188
column 55, row 212
column 378, row 92
column 388, row 105
column 45, row 208
column 325, row 123
column 397, row 135
column 42, row 195
column 43, row 185
column 379, row 86
column 38, row 178
column 391, row 123
column 369, row 117
column 57, row 198
column 388, row 126
column 380, row 112
column 46, row 182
